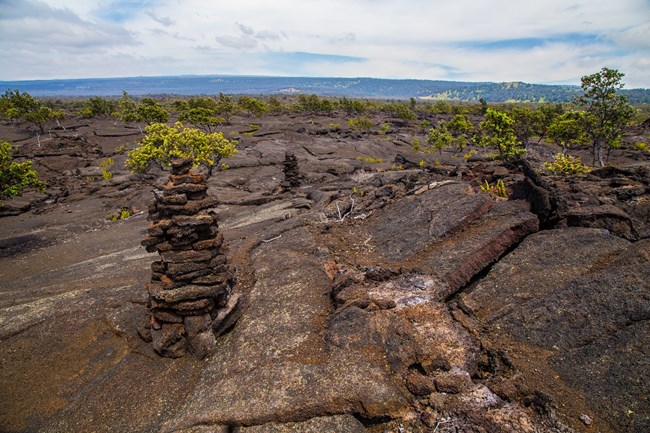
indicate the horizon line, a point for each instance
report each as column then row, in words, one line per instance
column 286, row 77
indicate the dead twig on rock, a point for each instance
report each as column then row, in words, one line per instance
column 271, row 240
column 341, row 218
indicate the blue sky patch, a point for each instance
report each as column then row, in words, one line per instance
column 578, row 39
column 119, row 11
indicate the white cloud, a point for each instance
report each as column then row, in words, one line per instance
column 535, row 41
column 165, row 21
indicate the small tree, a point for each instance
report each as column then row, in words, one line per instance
column 41, row 115
column 15, row 176
column 313, row 104
column 201, row 112
column 568, row 129
column 148, row 111
column 275, row 105
column 225, row 107
column 400, row 110
column 98, row 107
column 352, row 106
column 607, row 112
column 527, row 123
column 438, row 139
column 16, row 105
column 164, row 143
column 460, row 127
column 498, row 132
column 202, row 118
column 254, row 106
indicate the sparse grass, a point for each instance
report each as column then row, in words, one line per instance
column 370, row 159
column 496, row 190
column 252, row 129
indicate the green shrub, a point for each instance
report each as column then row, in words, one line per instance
column 123, row 214
column 164, row 143
column 438, row 139
column 641, row 146
column 107, row 162
column 567, row 165
column 361, row 123
column 98, row 107
column 16, row 176
column 498, row 132
column 15, row 105
column 253, row 106
column 415, row 143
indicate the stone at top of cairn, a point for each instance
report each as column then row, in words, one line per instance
column 181, row 166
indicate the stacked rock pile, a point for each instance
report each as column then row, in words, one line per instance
column 292, row 176
column 191, row 284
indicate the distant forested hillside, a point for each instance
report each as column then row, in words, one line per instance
column 348, row 87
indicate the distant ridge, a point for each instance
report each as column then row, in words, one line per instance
column 340, row 87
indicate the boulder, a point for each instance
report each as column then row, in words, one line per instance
column 580, row 297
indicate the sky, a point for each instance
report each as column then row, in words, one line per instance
column 547, row 42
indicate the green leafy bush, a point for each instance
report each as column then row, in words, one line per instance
column 567, row 165
column 314, row 104
column 352, row 106
column 641, row 146
column 254, row 106
column 498, row 133
column 15, row 105
column 123, row 214
column 568, row 129
column 16, row 176
column 98, row 107
column 361, row 123
column 438, row 139
column 164, row 143
column 148, row 111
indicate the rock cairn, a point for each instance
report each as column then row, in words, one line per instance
column 292, row 176
column 190, row 287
